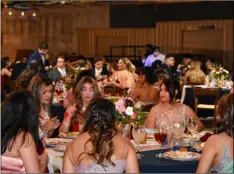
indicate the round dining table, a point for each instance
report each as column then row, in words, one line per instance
column 149, row 163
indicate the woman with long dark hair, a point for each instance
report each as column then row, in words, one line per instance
column 218, row 150
column 101, row 148
column 20, row 134
column 169, row 108
column 42, row 90
column 85, row 92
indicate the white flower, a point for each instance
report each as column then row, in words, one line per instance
column 129, row 111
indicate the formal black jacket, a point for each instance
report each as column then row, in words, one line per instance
column 104, row 71
column 55, row 74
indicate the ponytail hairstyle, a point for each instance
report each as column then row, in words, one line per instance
column 100, row 125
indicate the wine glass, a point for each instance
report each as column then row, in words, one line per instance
column 139, row 135
column 160, row 136
column 192, row 125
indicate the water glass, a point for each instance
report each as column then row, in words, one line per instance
column 192, row 125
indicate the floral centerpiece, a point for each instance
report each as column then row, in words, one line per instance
column 220, row 73
column 76, row 72
column 129, row 113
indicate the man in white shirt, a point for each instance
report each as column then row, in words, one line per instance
column 60, row 71
column 99, row 70
column 153, row 57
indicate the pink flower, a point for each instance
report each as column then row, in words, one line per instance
column 120, row 106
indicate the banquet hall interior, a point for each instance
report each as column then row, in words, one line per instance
column 91, row 86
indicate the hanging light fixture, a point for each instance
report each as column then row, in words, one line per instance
column 34, row 14
column 10, row 12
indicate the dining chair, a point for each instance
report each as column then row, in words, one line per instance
column 207, row 93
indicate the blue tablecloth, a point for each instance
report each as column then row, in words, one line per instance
column 151, row 164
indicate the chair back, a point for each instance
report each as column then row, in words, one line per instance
column 205, row 92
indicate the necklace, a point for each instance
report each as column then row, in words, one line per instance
column 83, row 108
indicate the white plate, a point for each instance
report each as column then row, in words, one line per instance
column 182, row 156
column 51, row 142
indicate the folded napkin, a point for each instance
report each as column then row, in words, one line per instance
column 205, row 137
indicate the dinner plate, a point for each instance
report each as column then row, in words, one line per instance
column 69, row 135
column 198, row 146
column 60, row 148
column 52, row 142
column 182, row 156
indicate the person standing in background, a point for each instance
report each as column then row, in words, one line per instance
column 156, row 55
column 41, row 56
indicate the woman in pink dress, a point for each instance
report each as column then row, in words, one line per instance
column 20, row 134
column 100, row 148
column 125, row 76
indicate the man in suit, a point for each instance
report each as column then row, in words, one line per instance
column 169, row 63
column 99, row 69
column 60, row 71
column 41, row 56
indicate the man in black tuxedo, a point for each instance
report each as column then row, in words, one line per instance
column 99, row 69
column 60, row 71
column 41, row 56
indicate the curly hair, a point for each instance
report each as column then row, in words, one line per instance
column 100, row 125
column 224, row 115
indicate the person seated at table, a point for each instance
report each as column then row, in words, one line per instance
column 185, row 66
column 161, row 75
column 112, row 68
column 169, row 108
column 24, row 78
column 21, row 143
column 85, row 92
column 124, row 78
column 42, row 90
column 69, row 98
column 60, row 71
column 101, row 148
column 145, row 92
column 99, row 70
column 194, row 76
column 210, row 66
column 218, row 150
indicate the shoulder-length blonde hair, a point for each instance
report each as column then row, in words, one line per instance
column 77, row 92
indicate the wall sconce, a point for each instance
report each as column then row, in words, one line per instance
column 22, row 13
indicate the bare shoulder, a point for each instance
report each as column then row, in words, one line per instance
column 214, row 140
column 24, row 139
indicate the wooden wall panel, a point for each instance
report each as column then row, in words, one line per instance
column 56, row 25
column 169, row 37
column 87, row 39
